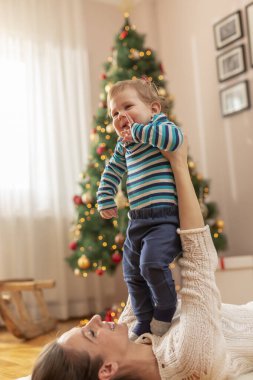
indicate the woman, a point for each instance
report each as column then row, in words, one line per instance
column 205, row 341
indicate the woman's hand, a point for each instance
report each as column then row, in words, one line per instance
column 179, row 156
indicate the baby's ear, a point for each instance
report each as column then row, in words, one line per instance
column 108, row 370
column 155, row 107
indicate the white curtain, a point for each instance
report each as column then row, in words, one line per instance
column 44, row 133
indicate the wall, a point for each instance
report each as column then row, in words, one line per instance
column 221, row 147
column 101, row 24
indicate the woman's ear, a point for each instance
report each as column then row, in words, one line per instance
column 108, row 370
column 155, row 107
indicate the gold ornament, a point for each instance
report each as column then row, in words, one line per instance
column 109, row 128
column 83, row 262
column 191, row 164
column 219, row 223
column 121, row 200
column 162, row 91
column 87, row 197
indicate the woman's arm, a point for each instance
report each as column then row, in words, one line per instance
column 189, row 210
column 200, row 322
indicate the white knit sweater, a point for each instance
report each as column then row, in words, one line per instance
column 207, row 340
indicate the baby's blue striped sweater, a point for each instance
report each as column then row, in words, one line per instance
column 150, row 180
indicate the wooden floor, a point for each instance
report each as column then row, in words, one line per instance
column 17, row 356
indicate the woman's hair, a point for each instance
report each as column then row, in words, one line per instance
column 146, row 90
column 58, row 363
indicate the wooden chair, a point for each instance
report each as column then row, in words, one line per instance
column 14, row 312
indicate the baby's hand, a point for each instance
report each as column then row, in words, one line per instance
column 130, row 120
column 108, row 214
column 126, row 133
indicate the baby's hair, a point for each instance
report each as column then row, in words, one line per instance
column 146, row 90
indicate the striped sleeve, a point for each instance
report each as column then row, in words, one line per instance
column 160, row 133
column 111, row 178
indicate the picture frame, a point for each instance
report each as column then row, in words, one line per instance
column 228, row 30
column 235, row 98
column 249, row 18
column 231, row 63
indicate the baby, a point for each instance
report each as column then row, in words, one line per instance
column 151, row 242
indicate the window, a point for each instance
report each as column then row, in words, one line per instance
column 14, row 140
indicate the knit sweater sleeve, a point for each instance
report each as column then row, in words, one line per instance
column 200, row 350
column 111, row 178
column 160, row 133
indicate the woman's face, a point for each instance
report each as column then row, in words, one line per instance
column 106, row 339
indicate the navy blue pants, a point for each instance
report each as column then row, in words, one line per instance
column 151, row 245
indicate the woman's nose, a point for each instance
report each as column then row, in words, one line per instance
column 97, row 319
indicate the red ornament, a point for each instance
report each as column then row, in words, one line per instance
column 101, row 149
column 99, row 272
column 73, row 245
column 123, row 35
column 116, row 257
column 108, row 316
column 77, row 200
column 103, row 76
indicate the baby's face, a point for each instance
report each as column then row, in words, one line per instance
column 128, row 102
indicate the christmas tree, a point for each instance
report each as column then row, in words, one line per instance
column 97, row 243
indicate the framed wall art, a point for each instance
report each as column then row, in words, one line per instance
column 231, row 63
column 228, row 30
column 235, row 98
column 249, row 17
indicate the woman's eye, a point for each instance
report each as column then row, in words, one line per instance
column 115, row 115
column 128, row 106
column 92, row 333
